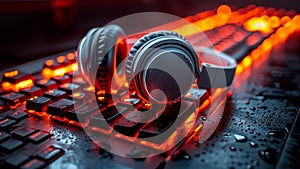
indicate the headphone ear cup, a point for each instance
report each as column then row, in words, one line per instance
column 148, row 51
column 105, row 47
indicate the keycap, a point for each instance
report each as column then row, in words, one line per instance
column 32, row 91
column 38, row 137
column 13, row 98
column 50, row 154
column 18, row 115
column 80, row 82
column 23, row 133
column 3, row 136
column 38, row 103
column 15, row 76
column 129, row 125
column 33, row 164
column 167, row 119
column 47, row 84
column 108, row 116
column 6, row 123
column 78, row 97
column 62, row 79
column 69, row 87
column 55, row 94
column 11, row 145
column 60, row 107
column 3, row 106
column 17, row 160
column 83, row 111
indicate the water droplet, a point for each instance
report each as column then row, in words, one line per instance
column 240, row 138
column 252, row 144
column 226, row 134
column 252, row 108
column 268, row 155
column 203, row 118
column 181, row 154
column 277, row 134
column 232, row 148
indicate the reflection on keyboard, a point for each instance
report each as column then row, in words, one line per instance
column 42, row 98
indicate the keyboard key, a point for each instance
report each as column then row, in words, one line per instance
column 60, row 107
column 3, row 136
column 3, row 106
column 78, row 97
column 13, row 98
column 32, row 91
column 56, row 94
column 83, row 111
column 17, row 160
column 38, row 103
column 33, row 164
column 5, row 123
column 127, row 126
column 50, row 154
column 15, row 76
column 62, row 79
column 11, row 145
column 47, row 84
column 69, row 87
column 80, row 82
column 107, row 116
column 23, row 133
column 38, row 137
column 18, row 115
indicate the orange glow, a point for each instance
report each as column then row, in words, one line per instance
column 16, row 87
column 60, row 59
column 274, row 21
column 224, row 11
column 49, row 62
column 282, row 32
column 70, row 56
column 238, row 36
column 285, row 19
column 239, row 69
column 258, row 24
column 247, row 61
column 101, row 98
column 48, row 73
column 11, row 73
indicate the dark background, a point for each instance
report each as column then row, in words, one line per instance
column 31, row 29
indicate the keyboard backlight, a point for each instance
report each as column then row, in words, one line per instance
column 11, row 74
column 16, row 87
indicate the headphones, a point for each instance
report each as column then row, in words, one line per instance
column 160, row 60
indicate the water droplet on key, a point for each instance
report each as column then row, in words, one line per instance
column 253, row 145
column 181, row 154
column 232, row 148
column 226, row 134
column 277, row 134
column 268, row 155
column 240, row 138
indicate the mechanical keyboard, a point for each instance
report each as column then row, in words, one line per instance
column 40, row 127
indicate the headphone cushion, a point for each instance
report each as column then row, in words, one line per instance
column 102, row 54
column 138, row 44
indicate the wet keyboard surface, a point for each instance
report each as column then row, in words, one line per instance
column 39, row 126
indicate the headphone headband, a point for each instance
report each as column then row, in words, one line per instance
column 218, row 72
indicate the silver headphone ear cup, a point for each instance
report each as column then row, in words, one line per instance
column 99, row 55
column 138, row 60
